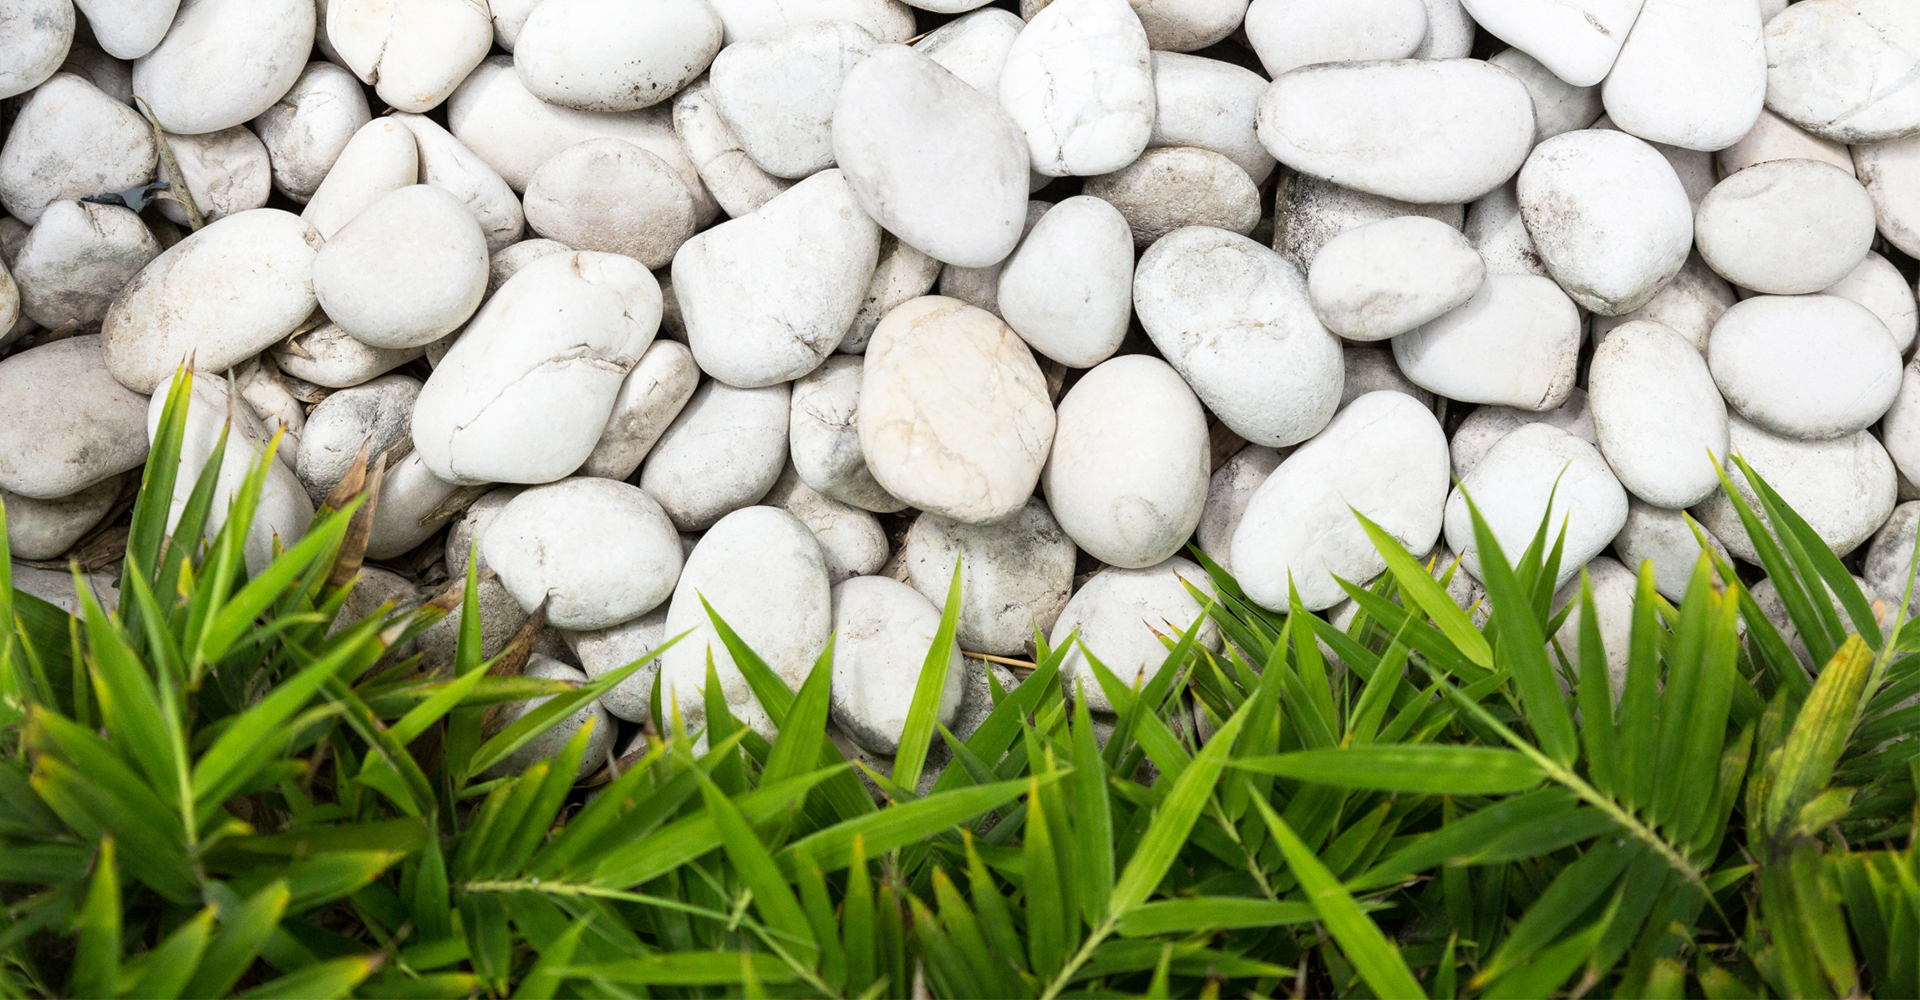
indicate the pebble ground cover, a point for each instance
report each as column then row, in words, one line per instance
column 1189, row 376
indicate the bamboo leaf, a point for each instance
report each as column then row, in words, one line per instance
column 1092, row 816
column 923, row 713
column 245, row 928
column 1167, row 832
column 1819, row 734
column 900, row 825
column 1046, row 914
column 1185, row 916
column 96, row 963
column 772, row 897
column 1525, row 646
column 1420, row 587
column 165, row 970
column 1425, row 769
column 325, row 981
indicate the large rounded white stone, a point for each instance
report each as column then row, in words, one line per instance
column 1843, row 487
column 1079, row 83
column 1608, row 216
column 1693, row 73
column 1015, row 575
column 1209, row 103
column 44, row 529
column 1806, row 367
column 65, row 424
column 1068, row 289
column 761, row 572
column 768, row 297
column 1526, row 321
column 883, row 630
column 70, row 141
column 932, row 160
column 1121, row 510
column 223, row 62
column 381, row 158
column 596, row 552
column 77, row 259
column 1891, row 172
column 1234, row 319
column 1443, row 131
column 306, row 130
column 407, row 271
column 413, row 52
column 523, row 394
column 1657, row 413
column 1289, row 34
column 1385, row 278
column 1785, row 227
column 1846, row 70
column 609, row 55
column 721, row 453
column 37, row 36
column 1120, row 615
column 1385, row 458
column 219, row 296
column 954, row 416
column 1577, row 39
column 1512, row 487
column 610, row 195
column 778, row 94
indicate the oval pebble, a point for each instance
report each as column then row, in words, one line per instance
column 1068, row 289
column 406, row 272
column 607, row 55
column 224, row 62
column 330, row 357
column 1526, row 320
column 1805, row 367
column 65, row 423
column 381, row 158
column 1657, row 413
column 1608, row 216
column 1843, row 487
column 1512, row 486
column 377, row 416
column 612, row 196
column 1210, row 104
column 883, row 630
column 1015, row 574
column 778, row 95
column 1309, row 212
column 1169, row 187
column 306, row 130
column 1289, row 34
column 1486, row 425
column 1079, row 84
column 722, row 452
column 1577, row 40
column 1785, row 227
column 1848, row 70
column 1692, row 73
column 413, row 52
column 594, row 552
column 1121, row 614
column 1382, row 279
column 70, row 141
column 37, row 36
column 77, row 259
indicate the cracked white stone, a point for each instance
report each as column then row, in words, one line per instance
column 1121, row 615
column 1234, row 319
column 223, row 62
column 1438, row 131
column 1608, row 216
column 381, row 158
column 1512, row 486
column 610, row 55
column 1209, row 103
column 932, row 160
column 852, row 543
column 1079, row 84
column 722, row 452
column 737, row 183
column 778, row 95
column 36, row 38
column 65, row 424
column 221, row 296
column 1808, row 367
column 1843, row 487
column 1848, row 70
column 446, row 163
column 1692, row 73
column 1289, row 34
column 1068, row 289
column 407, row 271
column 69, row 141
column 1385, row 278
column 766, row 298
column 306, row 130
column 76, row 259
column 654, row 393
column 610, row 195
column 413, row 52
column 974, row 47
column 1527, row 321
column 1577, row 39
column 954, row 415
column 825, row 437
column 883, row 630
column 596, row 552
column 1169, row 187
column 1121, row 510
column 1657, row 414
column 1785, row 227
column 1015, row 574
column 522, row 396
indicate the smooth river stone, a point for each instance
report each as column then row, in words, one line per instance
column 447, row 163
column 1891, row 172
column 1234, row 319
column 65, row 424
column 1689, row 305
column 1512, row 486
column 1229, row 489
column 778, row 95
column 825, row 440
column 1015, row 575
column 306, row 130
column 1310, row 212
column 608, row 55
column 1577, row 40
column 883, row 630
column 1775, row 138
column 761, row 571
column 655, row 392
column 1527, row 321
column 610, row 195
column 1183, row 25
column 955, row 416
column 37, row 37
column 1880, row 286
column 1435, row 131
column 768, row 297
column 1498, row 233
column 1844, row 487
column 1693, row 73
column 1810, row 367
column 44, row 529
column 224, row 62
column 1121, row 614
column 1558, row 106
column 376, row 416
column 1209, row 103
column 69, row 141
column 220, row 296
column 722, row 452
column 930, row 159
column 1289, row 34
column 1785, row 227
column 736, row 182
column 329, row 357
column 754, row 20
column 407, row 271
column 128, row 29
column 1079, row 83
column 381, row 158
column 852, row 543
column 1608, row 216
column 77, row 259
column 413, row 52
column 1122, row 511
column 1846, row 70
column 974, row 47
column 1068, row 289
column 1384, row 457
column 523, row 394
column 1486, row 425
column 1385, row 278
column 595, row 552
column 1657, row 414
column 1664, row 538
column 1174, row 186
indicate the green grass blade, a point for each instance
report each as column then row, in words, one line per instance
column 244, row 931
column 1046, row 916
column 1578, row 886
column 772, row 896
column 1595, row 695
column 1525, row 647
column 900, row 825
column 1819, row 734
column 1422, row 589
column 313, row 553
column 166, row 969
column 856, row 920
column 923, row 713
column 326, row 981
column 1425, row 768
column 1092, row 817
column 1167, row 833
column 96, row 961
column 1185, row 916
column 797, row 749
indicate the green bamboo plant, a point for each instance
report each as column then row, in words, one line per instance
column 225, row 787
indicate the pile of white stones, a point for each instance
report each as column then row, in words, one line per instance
column 791, row 305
